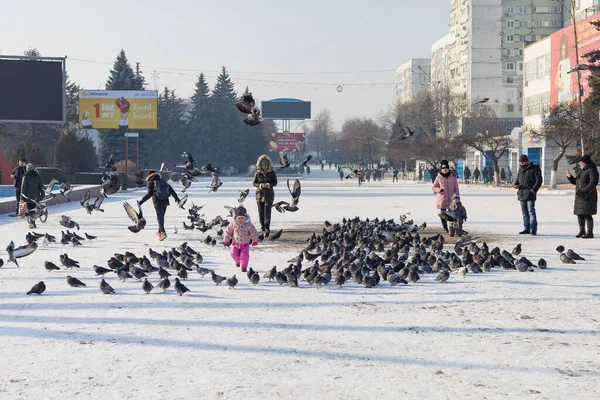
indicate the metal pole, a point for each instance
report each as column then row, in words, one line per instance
column 126, row 154
column 578, row 74
column 137, row 153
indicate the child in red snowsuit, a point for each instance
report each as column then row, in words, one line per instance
column 240, row 234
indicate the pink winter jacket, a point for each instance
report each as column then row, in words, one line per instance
column 241, row 233
column 449, row 185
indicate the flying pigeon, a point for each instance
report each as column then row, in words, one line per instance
column 246, row 103
column 405, row 130
column 110, row 164
column 215, row 184
column 243, row 195
column 137, row 217
column 305, row 161
column 65, row 190
column 19, row 252
column 283, row 161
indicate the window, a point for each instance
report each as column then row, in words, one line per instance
column 510, row 10
column 510, row 66
column 520, row 52
column 510, row 24
column 510, row 80
column 510, row 108
column 522, row 10
column 510, row 38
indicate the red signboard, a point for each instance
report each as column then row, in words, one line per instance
column 287, row 142
column 563, row 86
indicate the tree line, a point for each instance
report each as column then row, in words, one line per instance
column 209, row 127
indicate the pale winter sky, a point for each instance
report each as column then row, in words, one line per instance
column 263, row 40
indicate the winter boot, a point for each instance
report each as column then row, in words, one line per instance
column 237, row 265
column 525, row 232
column 590, row 228
column 581, row 222
column 243, row 269
column 445, row 225
column 452, row 230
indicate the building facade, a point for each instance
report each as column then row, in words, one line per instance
column 412, row 77
column 486, row 48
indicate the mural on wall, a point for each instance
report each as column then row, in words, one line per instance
column 563, row 85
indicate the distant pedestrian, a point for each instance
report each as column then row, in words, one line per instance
column 528, row 182
column 586, row 196
column 395, row 175
column 17, row 175
column 476, row 175
column 508, row 174
column 467, row 174
column 502, row 175
column 361, row 176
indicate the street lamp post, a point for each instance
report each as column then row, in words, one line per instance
column 571, row 11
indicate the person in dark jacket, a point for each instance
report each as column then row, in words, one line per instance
column 17, row 175
column 32, row 190
column 476, row 175
column 467, row 174
column 528, row 182
column 160, row 205
column 586, row 196
column 264, row 180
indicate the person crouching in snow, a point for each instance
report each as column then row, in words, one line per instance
column 240, row 234
column 160, row 191
column 458, row 213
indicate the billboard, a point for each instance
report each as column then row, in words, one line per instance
column 563, row 86
column 287, row 142
column 118, row 109
column 32, row 89
column 285, row 109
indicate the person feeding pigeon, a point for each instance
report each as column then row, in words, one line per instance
column 264, row 181
column 586, row 196
column 446, row 186
column 32, row 190
column 160, row 191
column 240, row 233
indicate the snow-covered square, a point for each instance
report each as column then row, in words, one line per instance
column 499, row 334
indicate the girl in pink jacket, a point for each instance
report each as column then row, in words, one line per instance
column 446, row 186
column 243, row 233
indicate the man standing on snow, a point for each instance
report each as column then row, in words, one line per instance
column 528, row 182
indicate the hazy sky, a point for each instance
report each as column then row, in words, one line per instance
column 264, row 40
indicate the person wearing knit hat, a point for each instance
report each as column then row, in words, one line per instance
column 240, row 233
column 459, row 216
column 446, row 186
column 265, row 179
column 528, row 182
column 160, row 191
column 586, row 195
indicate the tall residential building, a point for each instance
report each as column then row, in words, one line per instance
column 412, row 77
column 583, row 9
column 486, row 47
column 441, row 59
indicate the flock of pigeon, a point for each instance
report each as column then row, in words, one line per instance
column 367, row 252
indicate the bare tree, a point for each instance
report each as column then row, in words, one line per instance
column 363, row 140
column 320, row 134
column 447, row 106
column 488, row 136
column 561, row 127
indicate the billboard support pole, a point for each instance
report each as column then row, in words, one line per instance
column 126, row 154
column 137, row 153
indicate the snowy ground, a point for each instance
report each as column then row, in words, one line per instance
column 502, row 334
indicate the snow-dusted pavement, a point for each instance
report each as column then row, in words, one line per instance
column 503, row 334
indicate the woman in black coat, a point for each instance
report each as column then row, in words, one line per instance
column 264, row 181
column 586, row 196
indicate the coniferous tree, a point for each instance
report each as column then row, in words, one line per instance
column 167, row 143
column 225, row 148
column 75, row 151
column 199, row 122
column 122, row 77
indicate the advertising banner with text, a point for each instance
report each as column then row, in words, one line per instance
column 118, row 109
column 287, row 142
